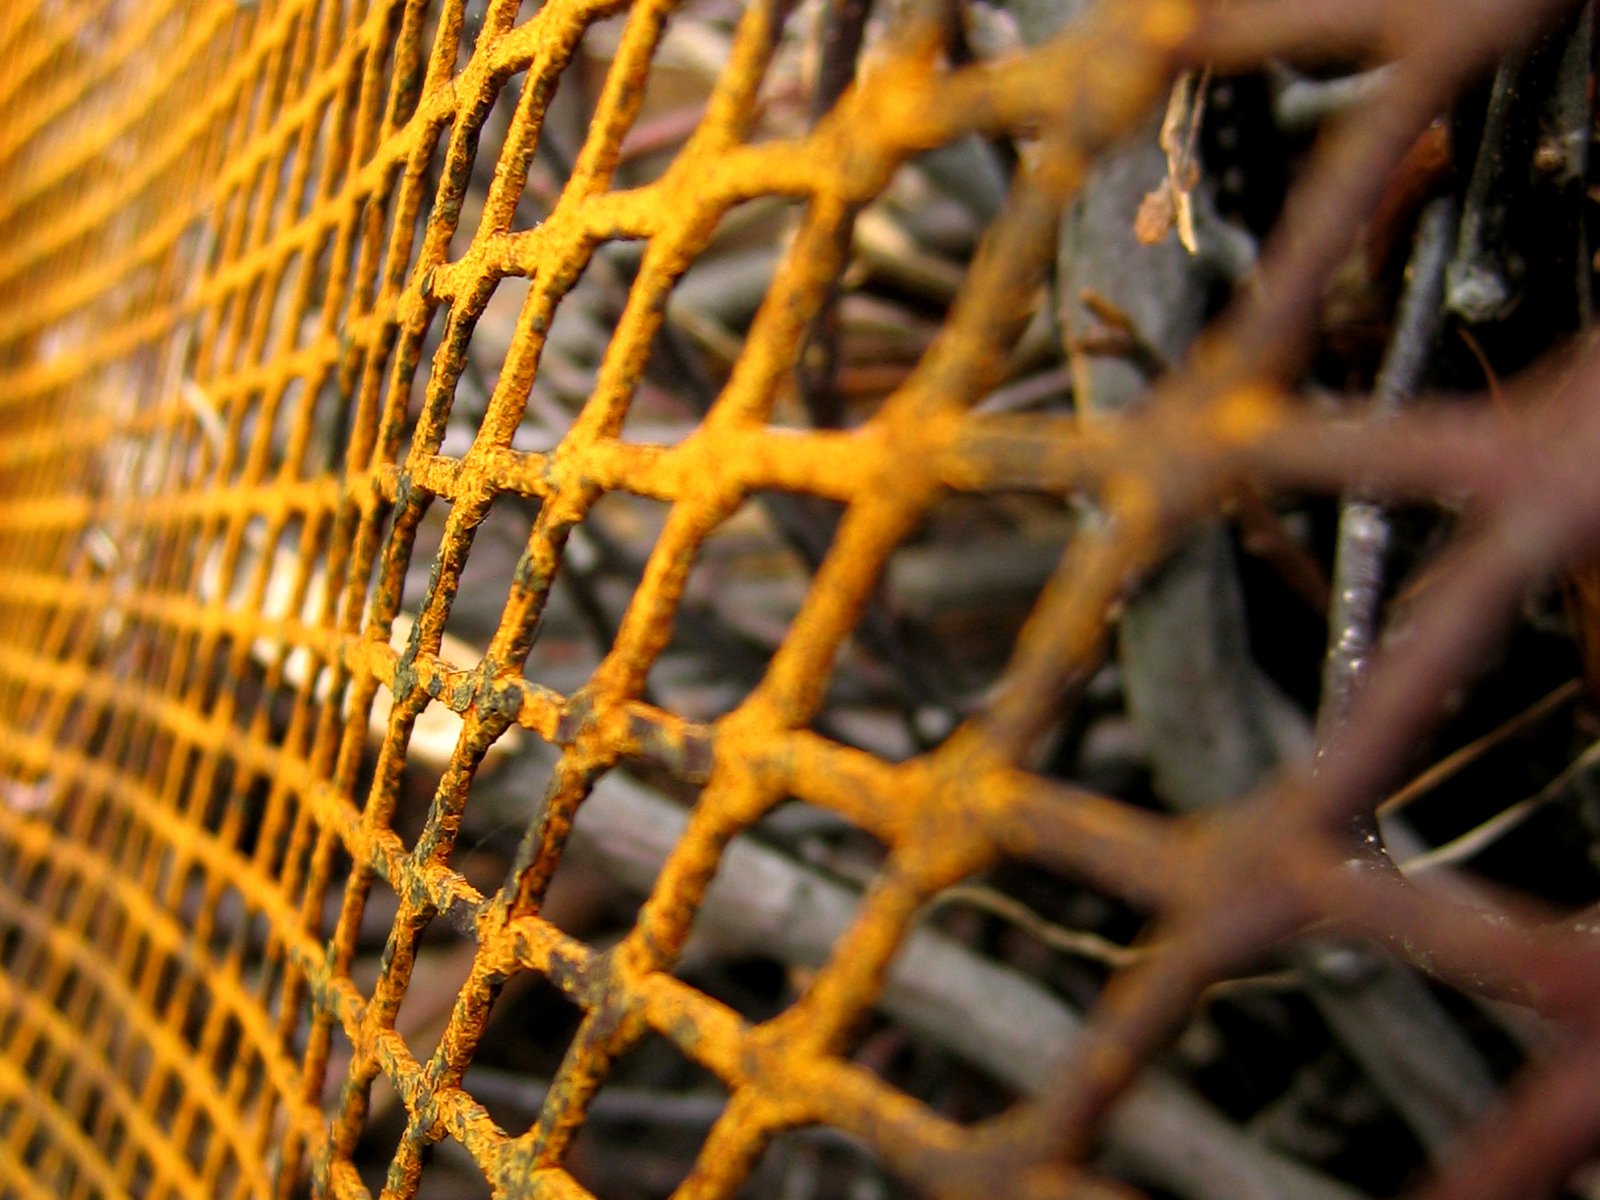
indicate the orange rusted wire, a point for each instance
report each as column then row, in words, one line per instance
column 217, row 231
column 213, row 221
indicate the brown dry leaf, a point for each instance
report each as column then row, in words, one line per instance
column 1171, row 203
column 1157, row 211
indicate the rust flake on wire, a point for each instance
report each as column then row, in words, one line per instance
column 223, row 226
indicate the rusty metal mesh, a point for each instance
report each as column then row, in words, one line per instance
column 232, row 235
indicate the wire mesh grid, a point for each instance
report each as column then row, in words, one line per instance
column 232, row 237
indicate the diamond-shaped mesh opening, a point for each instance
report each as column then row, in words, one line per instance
column 449, row 1171
column 707, row 315
column 822, row 1162
column 657, row 1103
column 719, row 651
column 511, row 1072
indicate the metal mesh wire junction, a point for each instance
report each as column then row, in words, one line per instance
column 238, row 283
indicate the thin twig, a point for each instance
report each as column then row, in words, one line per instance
column 1069, row 941
column 1465, row 845
column 1479, row 287
column 1458, row 760
column 1363, row 527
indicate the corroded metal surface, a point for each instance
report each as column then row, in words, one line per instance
column 228, row 228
